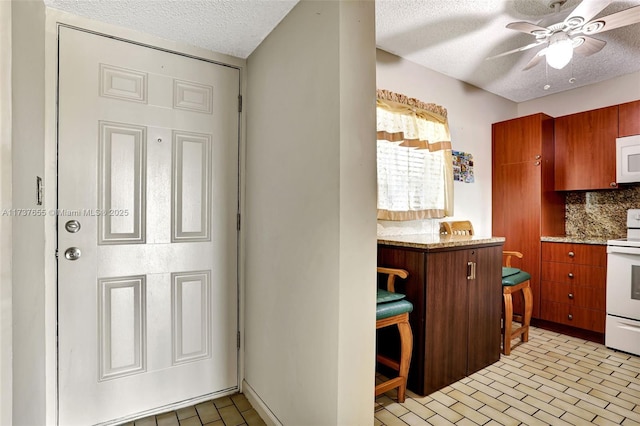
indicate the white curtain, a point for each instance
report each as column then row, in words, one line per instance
column 415, row 166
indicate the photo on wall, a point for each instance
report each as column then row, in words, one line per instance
column 463, row 166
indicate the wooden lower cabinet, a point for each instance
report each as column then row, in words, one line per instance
column 573, row 290
column 456, row 316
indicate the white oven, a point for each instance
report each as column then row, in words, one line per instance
column 623, row 289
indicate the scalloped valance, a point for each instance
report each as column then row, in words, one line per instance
column 399, row 98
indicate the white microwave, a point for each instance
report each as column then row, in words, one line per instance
column 628, row 159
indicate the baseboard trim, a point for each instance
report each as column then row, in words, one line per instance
column 258, row 404
column 589, row 335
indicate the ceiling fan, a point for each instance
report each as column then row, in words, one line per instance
column 562, row 37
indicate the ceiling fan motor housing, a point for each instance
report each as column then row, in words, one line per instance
column 555, row 3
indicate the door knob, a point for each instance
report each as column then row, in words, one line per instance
column 72, row 253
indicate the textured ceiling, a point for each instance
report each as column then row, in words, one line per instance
column 455, row 38
column 233, row 27
column 452, row 37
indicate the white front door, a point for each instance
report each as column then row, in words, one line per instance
column 147, row 239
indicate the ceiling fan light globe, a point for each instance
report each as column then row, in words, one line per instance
column 560, row 50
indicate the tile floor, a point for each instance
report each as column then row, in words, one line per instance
column 232, row 410
column 551, row 380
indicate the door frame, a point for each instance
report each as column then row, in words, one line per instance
column 54, row 20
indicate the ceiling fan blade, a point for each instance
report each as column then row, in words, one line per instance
column 535, row 60
column 589, row 46
column 527, row 27
column 613, row 21
column 520, row 49
column 585, row 11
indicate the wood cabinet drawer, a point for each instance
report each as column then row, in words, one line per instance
column 563, row 313
column 584, row 254
column 579, row 275
column 582, row 297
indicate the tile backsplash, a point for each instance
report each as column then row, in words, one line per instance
column 600, row 213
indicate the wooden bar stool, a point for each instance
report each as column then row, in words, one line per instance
column 460, row 227
column 514, row 280
column 393, row 309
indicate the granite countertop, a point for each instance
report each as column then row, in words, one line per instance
column 576, row 239
column 431, row 241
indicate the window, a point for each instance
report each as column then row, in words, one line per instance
column 415, row 169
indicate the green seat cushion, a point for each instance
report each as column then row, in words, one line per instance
column 514, row 276
column 509, row 271
column 389, row 309
column 385, row 296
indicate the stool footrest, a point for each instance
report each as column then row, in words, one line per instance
column 388, row 362
column 519, row 331
column 397, row 382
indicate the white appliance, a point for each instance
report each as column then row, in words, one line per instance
column 622, row 329
column 628, row 159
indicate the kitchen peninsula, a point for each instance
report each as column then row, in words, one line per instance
column 455, row 286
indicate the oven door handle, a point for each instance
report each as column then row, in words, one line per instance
column 624, row 250
column 629, row 324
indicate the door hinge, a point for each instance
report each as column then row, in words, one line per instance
column 238, row 340
column 238, row 221
column 56, row 254
column 239, row 103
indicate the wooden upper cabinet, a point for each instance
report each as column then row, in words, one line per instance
column 585, row 150
column 629, row 119
column 517, row 140
column 524, row 204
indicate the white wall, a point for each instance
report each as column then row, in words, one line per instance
column 357, row 206
column 28, row 280
column 310, row 222
column 611, row 92
column 6, row 399
column 471, row 112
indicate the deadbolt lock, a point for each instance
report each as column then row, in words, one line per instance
column 72, row 226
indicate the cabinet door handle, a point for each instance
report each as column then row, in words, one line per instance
column 537, row 163
column 538, row 157
column 570, row 295
column 471, row 270
column 570, row 317
column 571, row 254
column 570, row 274
column 613, row 184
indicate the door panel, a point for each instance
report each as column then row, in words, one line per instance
column 448, row 326
column 148, row 166
column 485, row 294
